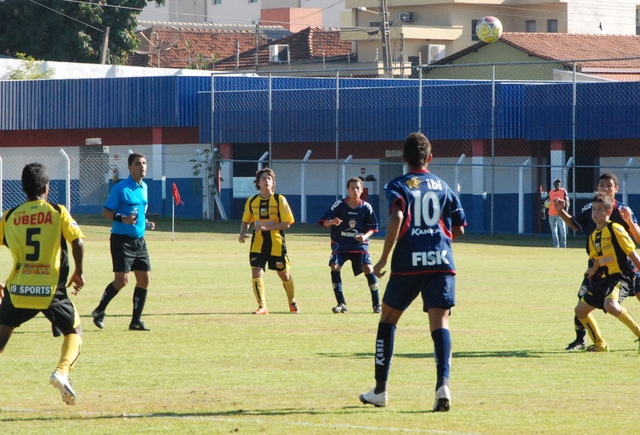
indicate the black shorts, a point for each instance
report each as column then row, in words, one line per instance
column 61, row 313
column 438, row 290
column 612, row 287
column 129, row 254
column 280, row 264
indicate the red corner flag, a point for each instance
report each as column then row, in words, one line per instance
column 176, row 194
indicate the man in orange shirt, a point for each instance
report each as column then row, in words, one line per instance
column 558, row 228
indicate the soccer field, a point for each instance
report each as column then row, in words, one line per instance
column 210, row 366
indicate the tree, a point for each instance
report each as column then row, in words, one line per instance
column 70, row 31
column 30, row 69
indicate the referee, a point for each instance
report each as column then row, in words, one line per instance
column 126, row 207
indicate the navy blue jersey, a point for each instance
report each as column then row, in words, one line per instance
column 355, row 221
column 430, row 210
column 585, row 223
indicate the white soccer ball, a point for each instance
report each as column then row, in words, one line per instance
column 489, row 29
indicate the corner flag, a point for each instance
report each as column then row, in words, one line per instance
column 176, row 194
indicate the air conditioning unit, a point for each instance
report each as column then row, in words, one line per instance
column 432, row 53
column 278, row 53
column 405, row 17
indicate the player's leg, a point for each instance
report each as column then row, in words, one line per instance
column 580, row 343
column 372, row 282
column 143, row 279
column 583, row 312
column 258, row 263
column 257, row 283
column 439, row 326
column 335, row 263
column 613, row 307
column 65, row 319
column 5, row 335
column 122, row 258
column 282, row 267
column 385, row 338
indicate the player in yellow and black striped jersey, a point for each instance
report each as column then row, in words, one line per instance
column 37, row 234
column 609, row 247
column 270, row 214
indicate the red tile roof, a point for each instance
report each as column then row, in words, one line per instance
column 180, row 45
column 311, row 45
column 569, row 46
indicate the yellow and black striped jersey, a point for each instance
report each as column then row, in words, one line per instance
column 611, row 245
column 274, row 209
column 37, row 232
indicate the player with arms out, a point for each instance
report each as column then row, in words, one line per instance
column 127, row 206
column 352, row 223
column 425, row 217
column 37, row 234
column 271, row 215
column 583, row 221
column 609, row 247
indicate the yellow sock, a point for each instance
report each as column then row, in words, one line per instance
column 626, row 318
column 258, row 291
column 591, row 326
column 69, row 353
column 290, row 289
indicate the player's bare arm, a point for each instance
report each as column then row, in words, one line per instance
column 77, row 280
column 363, row 237
column 559, row 204
column 592, row 270
column 244, row 226
column 273, row 226
column 634, row 229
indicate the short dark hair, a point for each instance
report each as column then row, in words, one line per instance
column 34, row 179
column 557, row 181
column 354, row 180
column 416, row 150
column 134, row 156
column 264, row 171
column 609, row 176
column 604, row 199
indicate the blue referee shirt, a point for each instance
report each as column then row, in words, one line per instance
column 128, row 197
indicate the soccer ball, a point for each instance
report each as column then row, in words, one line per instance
column 547, row 203
column 489, row 29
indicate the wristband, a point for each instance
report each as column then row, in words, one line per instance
column 117, row 217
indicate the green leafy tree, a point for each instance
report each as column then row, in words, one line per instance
column 70, row 31
column 30, row 69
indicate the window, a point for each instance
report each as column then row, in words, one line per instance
column 530, row 26
column 552, row 26
column 474, row 36
column 216, row 2
column 253, row 1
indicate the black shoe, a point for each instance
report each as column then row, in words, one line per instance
column 576, row 345
column 98, row 318
column 377, row 309
column 138, row 326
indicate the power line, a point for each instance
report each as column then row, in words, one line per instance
column 67, row 16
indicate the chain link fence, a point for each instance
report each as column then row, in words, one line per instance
column 501, row 133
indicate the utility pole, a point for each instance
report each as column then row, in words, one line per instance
column 257, row 23
column 386, row 47
column 105, row 46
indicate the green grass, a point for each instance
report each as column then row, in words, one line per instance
column 209, row 366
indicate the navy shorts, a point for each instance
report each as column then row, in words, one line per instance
column 438, row 290
column 358, row 259
column 61, row 313
column 129, row 254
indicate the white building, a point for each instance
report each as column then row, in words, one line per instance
column 325, row 13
